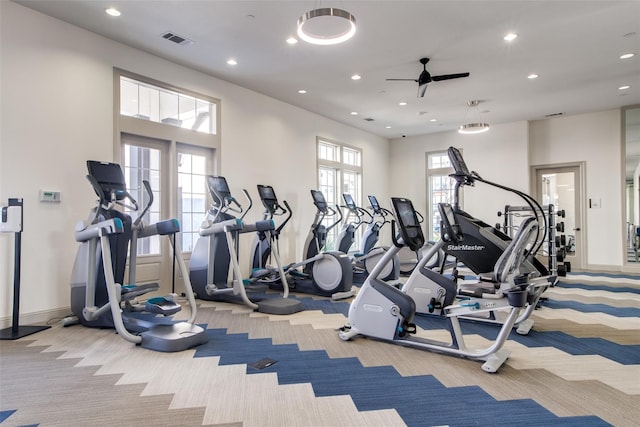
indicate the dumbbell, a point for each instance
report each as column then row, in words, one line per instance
column 562, row 271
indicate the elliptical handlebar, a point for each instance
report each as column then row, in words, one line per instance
column 333, row 212
column 287, row 210
column 149, row 191
column 246, row 211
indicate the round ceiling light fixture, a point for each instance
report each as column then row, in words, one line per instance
column 326, row 26
column 471, row 128
column 476, row 127
column 112, row 11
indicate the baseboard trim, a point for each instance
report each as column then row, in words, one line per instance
column 45, row 317
column 604, row 268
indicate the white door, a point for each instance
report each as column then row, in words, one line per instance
column 562, row 187
column 145, row 159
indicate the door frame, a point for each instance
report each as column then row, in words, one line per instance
column 580, row 200
column 155, row 267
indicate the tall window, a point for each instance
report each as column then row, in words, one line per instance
column 440, row 188
column 143, row 164
column 339, row 171
column 192, row 195
column 169, row 137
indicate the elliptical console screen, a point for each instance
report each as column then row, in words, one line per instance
column 348, row 200
column 108, row 175
column 318, row 200
column 458, row 163
column 218, row 184
column 408, row 221
column 373, row 201
column 268, row 197
column 266, row 192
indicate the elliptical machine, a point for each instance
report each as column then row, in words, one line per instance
column 99, row 298
column 261, row 249
column 366, row 259
column 383, row 312
column 324, row 273
column 217, row 249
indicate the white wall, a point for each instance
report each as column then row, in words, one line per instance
column 500, row 155
column 57, row 112
column 505, row 154
column 594, row 139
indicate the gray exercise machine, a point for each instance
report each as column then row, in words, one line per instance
column 368, row 255
column 324, row 273
column 433, row 292
column 216, row 256
column 383, row 312
column 99, row 297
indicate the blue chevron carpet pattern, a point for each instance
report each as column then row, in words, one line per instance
column 579, row 366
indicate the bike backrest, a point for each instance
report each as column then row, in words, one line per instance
column 515, row 254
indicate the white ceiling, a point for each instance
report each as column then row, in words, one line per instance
column 574, row 46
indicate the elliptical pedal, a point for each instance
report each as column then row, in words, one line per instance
column 165, row 306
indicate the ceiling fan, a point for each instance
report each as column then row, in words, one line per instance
column 425, row 78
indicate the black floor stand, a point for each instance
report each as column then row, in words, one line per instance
column 16, row 331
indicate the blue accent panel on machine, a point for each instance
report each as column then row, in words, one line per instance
column 169, row 226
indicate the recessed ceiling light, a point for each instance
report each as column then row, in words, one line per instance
column 292, row 40
column 625, row 87
column 627, row 55
column 433, row 120
column 532, row 76
column 387, row 127
column 402, row 103
column 354, row 113
column 302, row 91
column 232, row 62
column 112, row 11
column 510, row 37
column 356, row 77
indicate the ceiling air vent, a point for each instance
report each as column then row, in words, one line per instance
column 369, row 119
column 182, row 41
column 554, row 114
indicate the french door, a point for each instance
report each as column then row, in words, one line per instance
column 176, row 173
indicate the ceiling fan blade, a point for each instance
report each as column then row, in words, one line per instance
column 449, row 76
column 422, row 89
column 403, row 80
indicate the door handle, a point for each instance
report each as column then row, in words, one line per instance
column 576, row 229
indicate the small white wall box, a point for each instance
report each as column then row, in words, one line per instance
column 50, row 196
column 12, row 217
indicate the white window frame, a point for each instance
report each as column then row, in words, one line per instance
column 176, row 138
column 334, row 196
column 442, row 172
